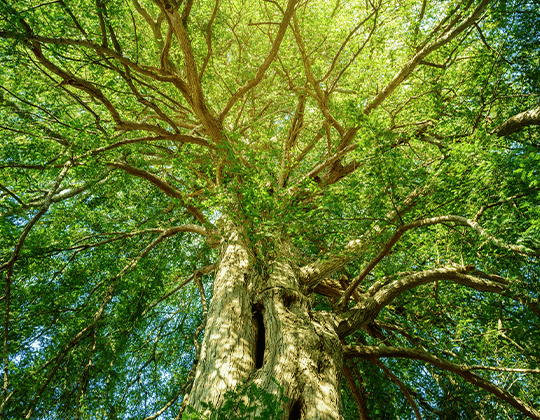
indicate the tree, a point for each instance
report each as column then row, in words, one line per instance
column 329, row 207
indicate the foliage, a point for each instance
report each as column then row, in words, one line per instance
column 245, row 402
column 129, row 141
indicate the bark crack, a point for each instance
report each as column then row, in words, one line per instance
column 260, row 335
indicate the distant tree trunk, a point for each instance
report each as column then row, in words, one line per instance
column 260, row 328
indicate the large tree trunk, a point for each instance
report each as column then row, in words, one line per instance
column 261, row 328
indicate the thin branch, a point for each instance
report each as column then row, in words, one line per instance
column 503, row 369
column 420, row 18
column 196, row 343
column 99, row 314
column 290, row 140
column 250, row 84
column 164, row 186
column 368, row 352
column 409, row 67
column 10, row 264
column 204, row 270
column 153, row 24
column 29, row 117
column 69, row 192
column 208, row 39
column 45, row 206
column 343, row 44
column 401, row 386
column 73, row 18
column 489, row 47
column 120, row 235
column 358, row 51
column 306, row 150
column 74, row 81
column 12, row 195
column 169, row 403
column 498, row 203
column 186, row 388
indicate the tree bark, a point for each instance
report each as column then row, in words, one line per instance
column 227, row 353
column 261, row 330
column 518, row 122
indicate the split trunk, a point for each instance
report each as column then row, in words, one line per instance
column 261, row 330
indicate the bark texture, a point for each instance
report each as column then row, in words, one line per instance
column 518, row 122
column 261, row 330
column 303, row 353
column 227, row 353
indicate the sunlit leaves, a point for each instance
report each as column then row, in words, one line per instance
column 428, row 150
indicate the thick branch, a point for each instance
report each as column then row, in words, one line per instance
column 163, row 134
column 335, row 158
column 74, row 81
column 518, row 122
column 153, row 24
column 322, row 99
column 314, row 273
column 155, row 73
column 379, row 296
column 164, row 186
column 419, row 223
column 357, row 393
column 367, row 352
column 195, row 93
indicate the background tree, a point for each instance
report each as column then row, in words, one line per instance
column 333, row 204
